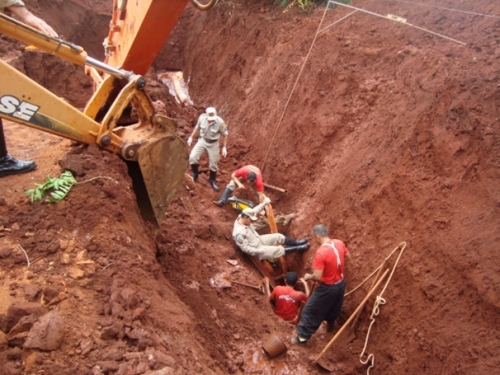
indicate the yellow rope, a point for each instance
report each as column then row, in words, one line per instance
column 376, row 309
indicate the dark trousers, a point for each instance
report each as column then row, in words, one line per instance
column 3, row 146
column 324, row 304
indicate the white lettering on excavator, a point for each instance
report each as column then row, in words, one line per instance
column 10, row 105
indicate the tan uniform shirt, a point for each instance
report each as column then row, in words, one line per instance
column 213, row 131
column 246, row 237
column 8, row 3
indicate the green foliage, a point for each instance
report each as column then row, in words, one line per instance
column 302, row 4
column 58, row 187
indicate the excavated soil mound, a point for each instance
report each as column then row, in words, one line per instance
column 383, row 131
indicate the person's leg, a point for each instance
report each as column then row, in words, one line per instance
column 194, row 156
column 9, row 165
column 315, row 311
column 298, row 248
column 232, row 185
column 226, row 194
column 270, row 252
column 213, row 161
column 336, row 308
column 273, row 239
column 279, row 239
column 292, row 242
column 3, row 145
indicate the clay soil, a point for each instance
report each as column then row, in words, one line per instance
column 387, row 134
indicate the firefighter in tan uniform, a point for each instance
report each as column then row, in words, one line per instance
column 267, row 246
column 210, row 128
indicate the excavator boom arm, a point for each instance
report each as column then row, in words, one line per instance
column 138, row 30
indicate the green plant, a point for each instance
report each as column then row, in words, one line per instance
column 303, row 4
column 58, row 187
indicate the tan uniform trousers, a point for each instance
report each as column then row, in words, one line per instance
column 269, row 250
column 232, row 185
column 211, row 148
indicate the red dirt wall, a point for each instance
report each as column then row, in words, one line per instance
column 390, row 134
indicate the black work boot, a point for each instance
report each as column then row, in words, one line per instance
column 223, row 198
column 194, row 175
column 9, row 166
column 293, row 249
column 213, row 175
column 292, row 242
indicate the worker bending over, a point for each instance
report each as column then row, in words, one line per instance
column 248, row 173
column 287, row 302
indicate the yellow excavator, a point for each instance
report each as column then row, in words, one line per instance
column 138, row 29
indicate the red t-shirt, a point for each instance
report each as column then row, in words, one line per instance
column 287, row 301
column 243, row 173
column 326, row 260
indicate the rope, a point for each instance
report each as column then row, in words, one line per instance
column 453, row 10
column 373, row 273
column 371, row 357
column 376, row 309
column 397, row 19
column 336, row 22
column 293, row 89
column 365, row 280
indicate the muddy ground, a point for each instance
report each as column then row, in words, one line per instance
column 384, row 132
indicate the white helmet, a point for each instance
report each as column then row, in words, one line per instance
column 211, row 113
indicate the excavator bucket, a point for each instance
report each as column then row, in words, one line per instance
column 163, row 163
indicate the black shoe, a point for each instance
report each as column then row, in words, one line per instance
column 213, row 185
column 301, row 242
column 293, row 249
column 291, row 242
column 299, row 341
column 194, row 175
column 223, row 199
column 213, row 176
column 9, row 166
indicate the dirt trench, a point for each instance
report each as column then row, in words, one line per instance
column 389, row 135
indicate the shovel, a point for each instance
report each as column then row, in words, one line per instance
column 350, row 333
column 328, row 365
column 260, row 287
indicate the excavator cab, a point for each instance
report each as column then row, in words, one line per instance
column 150, row 144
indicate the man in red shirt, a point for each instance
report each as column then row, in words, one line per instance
column 326, row 301
column 287, row 302
column 248, row 173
